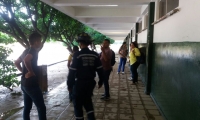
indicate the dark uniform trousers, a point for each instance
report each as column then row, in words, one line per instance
column 82, row 97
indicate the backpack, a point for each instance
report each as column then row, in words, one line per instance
column 112, row 58
column 141, row 59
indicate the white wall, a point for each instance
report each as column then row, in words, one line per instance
column 182, row 26
column 142, row 37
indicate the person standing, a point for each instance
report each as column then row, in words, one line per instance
column 29, row 80
column 106, row 56
column 133, row 62
column 75, row 49
column 84, row 66
column 123, row 52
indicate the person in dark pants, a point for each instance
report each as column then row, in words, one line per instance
column 75, row 49
column 107, row 67
column 29, row 80
column 84, row 66
column 133, row 62
column 123, row 52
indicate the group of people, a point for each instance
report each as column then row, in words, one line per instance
column 134, row 52
column 82, row 72
column 82, row 65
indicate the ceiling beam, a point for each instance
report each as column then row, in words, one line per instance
column 126, row 25
column 110, row 20
column 70, row 11
column 99, row 2
column 117, row 38
column 106, row 12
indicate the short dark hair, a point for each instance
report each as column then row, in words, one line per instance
column 34, row 37
column 75, row 48
column 135, row 44
column 124, row 43
column 107, row 40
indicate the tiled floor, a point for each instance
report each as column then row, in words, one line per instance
column 128, row 102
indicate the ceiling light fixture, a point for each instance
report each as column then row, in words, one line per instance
column 103, row 5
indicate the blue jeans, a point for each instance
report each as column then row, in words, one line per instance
column 106, row 74
column 122, row 64
column 134, row 73
column 33, row 94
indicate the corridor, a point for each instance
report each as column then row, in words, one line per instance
column 128, row 102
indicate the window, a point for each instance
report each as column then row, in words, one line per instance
column 166, row 6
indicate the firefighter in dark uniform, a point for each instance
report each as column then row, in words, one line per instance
column 84, row 66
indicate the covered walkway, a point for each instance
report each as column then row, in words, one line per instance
column 128, row 102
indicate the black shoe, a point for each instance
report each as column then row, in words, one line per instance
column 103, row 95
column 105, row 98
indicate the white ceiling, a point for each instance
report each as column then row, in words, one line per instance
column 115, row 22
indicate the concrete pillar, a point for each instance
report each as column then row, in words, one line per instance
column 149, row 53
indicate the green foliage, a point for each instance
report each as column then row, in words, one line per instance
column 97, row 37
column 4, row 38
column 19, row 18
column 7, row 70
column 65, row 29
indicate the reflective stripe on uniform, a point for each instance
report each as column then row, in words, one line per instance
column 99, row 67
column 87, row 55
column 90, row 112
column 72, row 68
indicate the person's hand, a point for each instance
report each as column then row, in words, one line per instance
column 102, row 48
column 29, row 74
column 133, row 51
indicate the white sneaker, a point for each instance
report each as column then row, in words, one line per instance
column 122, row 72
column 117, row 72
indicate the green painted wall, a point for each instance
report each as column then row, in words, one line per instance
column 176, row 80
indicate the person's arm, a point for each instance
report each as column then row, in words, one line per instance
column 69, row 63
column 137, row 52
column 27, row 63
column 17, row 64
column 69, row 60
column 119, row 52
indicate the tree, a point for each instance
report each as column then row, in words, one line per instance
column 20, row 18
column 7, row 70
column 65, row 29
column 4, row 38
column 97, row 37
